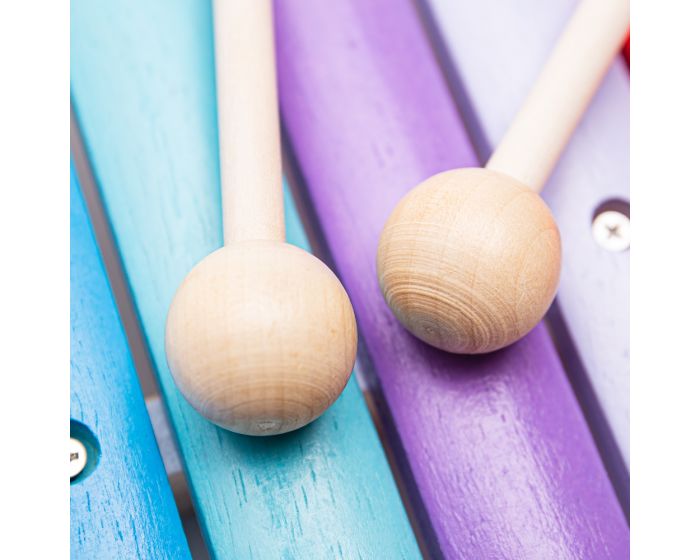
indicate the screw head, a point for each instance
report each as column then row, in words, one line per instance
column 78, row 457
column 611, row 230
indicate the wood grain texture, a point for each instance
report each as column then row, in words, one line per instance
column 124, row 508
column 564, row 87
column 261, row 337
column 469, row 260
column 142, row 80
column 594, row 288
column 250, row 154
column 497, row 446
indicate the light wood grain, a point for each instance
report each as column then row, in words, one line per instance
column 471, row 275
column 249, row 140
column 261, row 336
column 547, row 119
column 441, row 268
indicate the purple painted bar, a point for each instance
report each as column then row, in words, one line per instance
column 497, row 445
column 593, row 293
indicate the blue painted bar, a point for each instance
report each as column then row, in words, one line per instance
column 123, row 508
column 142, row 80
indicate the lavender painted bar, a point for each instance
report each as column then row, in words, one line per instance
column 497, row 446
column 594, row 291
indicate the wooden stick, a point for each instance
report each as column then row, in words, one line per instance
column 261, row 336
column 531, row 147
column 249, row 139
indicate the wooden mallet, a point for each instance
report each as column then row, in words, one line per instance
column 261, row 336
column 469, row 260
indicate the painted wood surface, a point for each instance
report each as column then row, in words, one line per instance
column 142, row 80
column 499, row 451
column 594, row 289
column 124, row 508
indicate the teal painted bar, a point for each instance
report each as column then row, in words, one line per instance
column 142, row 80
column 121, row 505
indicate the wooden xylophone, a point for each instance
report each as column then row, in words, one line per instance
column 521, row 453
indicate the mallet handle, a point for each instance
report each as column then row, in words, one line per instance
column 249, row 138
column 541, row 129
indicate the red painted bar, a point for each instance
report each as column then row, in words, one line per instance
column 497, row 447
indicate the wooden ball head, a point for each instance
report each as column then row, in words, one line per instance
column 261, row 337
column 469, row 260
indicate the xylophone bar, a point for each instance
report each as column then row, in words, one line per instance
column 593, row 293
column 496, row 444
column 121, row 504
column 142, row 79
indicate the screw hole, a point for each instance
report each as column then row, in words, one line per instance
column 610, row 225
column 84, row 452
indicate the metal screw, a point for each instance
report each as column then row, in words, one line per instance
column 78, row 457
column 611, row 230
